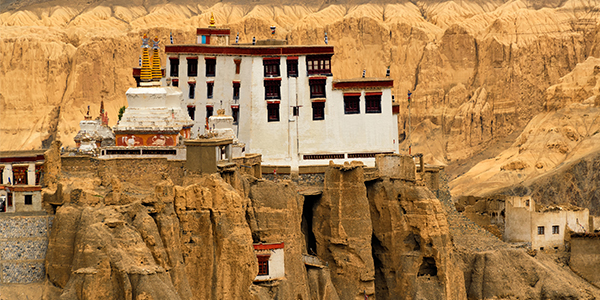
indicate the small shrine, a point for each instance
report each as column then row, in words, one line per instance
column 154, row 116
column 94, row 134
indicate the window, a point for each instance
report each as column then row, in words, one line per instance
column 373, row 104
column 271, row 67
column 175, row 82
column 1, row 174
column 192, row 92
column 235, row 111
column 292, row 67
column 28, row 199
column 19, row 175
column 295, row 111
column 209, row 111
column 351, row 104
column 540, row 230
column 317, row 88
column 318, row 64
column 526, row 202
column 555, row 229
column 272, row 89
column 318, row 111
column 273, row 112
column 263, row 264
column 192, row 111
column 237, row 62
column 211, row 66
column 236, row 90
column 209, row 89
column 174, row 67
column 38, row 174
column 192, row 67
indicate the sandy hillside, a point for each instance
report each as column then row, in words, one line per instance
column 479, row 70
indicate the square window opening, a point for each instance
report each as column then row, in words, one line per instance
column 271, row 67
column 555, row 229
column 541, row 230
column 351, row 104
column 317, row 88
column 373, row 104
column 28, row 199
column 272, row 89
column 209, row 111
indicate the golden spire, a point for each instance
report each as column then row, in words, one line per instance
column 146, row 72
column 212, row 21
column 156, row 72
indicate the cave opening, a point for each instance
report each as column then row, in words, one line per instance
column 310, row 202
column 428, row 267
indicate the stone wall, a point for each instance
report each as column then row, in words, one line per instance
column 585, row 257
column 23, row 245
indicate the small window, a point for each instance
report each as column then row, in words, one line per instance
column 192, row 112
column 351, row 104
column 318, row 111
column 174, row 67
column 373, row 104
column 28, row 199
column 192, row 67
column 237, row 62
column 211, row 67
column 209, row 89
column 292, row 67
column 317, row 88
column 272, row 88
column 263, row 265
column 555, row 229
column 527, row 203
column 273, row 112
column 541, row 230
column 318, row 64
column 175, row 82
column 235, row 111
column 1, row 174
column 209, row 111
column 192, row 92
column 295, row 111
column 271, row 66
column 236, row 90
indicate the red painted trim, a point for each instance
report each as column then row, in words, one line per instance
column 235, row 106
column 351, row 94
column 395, row 109
column 317, row 78
column 174, row 57
column 210, row 58
column 210, row 81
column 23, row 159
column 262, row 246
column 213, row 31
column 174, row 80
column 209, row 105
column 273, row 101
column 271, row 58
column 192, row 58
column 292, row 58
column 191, row 106
column 319, row 100
column 236, row 81
column 137, row 72
column 192, row 82
column 373, row 94
column 362, row 84
column 249, row 50
column 16, row 188
column 273, row 79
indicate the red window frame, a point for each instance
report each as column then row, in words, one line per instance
column 211, row 66
column 317, row 88
column 271, row 66
column 318, row 111
column 373, row 104
column 272, row 112
column 272, row 89
column 351, row 104
column 263, row 264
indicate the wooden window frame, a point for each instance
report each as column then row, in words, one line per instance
column 271, row 67
column 192, row 67
column 555, row 229
column 263, row 265
column 351, row 104
column 210, row 89
column 272, row 89
column 211, row 66
column 292, row 67
column 235, row 113
column 373, row 104
column 192, row 90
column 174, row 70
column 20, row 177
column 318, row 109
column 541, row 230
column 317, row 88
column 273, row 112
column 318, row 64
column 236, row 90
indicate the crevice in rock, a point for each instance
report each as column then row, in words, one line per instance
column 428, row 267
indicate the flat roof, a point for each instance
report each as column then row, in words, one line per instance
column 355, row 83
column 250, row 50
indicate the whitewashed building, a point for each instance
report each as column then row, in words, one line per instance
column 21, row 181
column 271, row 261
column 284, row 100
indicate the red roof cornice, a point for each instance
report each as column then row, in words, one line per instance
column 268, row 246
column 356, row 84
column 216, row 31
column 248, row 50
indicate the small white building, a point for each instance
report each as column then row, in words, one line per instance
column 283, row 99
column 21, row 181
column 271, row 265
column 544, row 228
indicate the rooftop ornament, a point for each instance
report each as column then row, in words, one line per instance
column 212, row 21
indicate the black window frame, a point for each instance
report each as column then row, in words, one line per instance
column 28, row 199
column 351, row 104
column 209, row 111
column 373, row 104
column 210, row 89
column 318, row 111
column 317, row 88
column 236, row 90
column 273, row 112
column 271, row 67
column 235, row 113
column 192, row 90
column 210, row 66
column 541, row 230
column 272, row 89
column 318, row 64
column 192, row 67
column 174, row 69
column 555, row 229
column 191, row 111
column 292, row 67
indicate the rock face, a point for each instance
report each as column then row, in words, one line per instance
column 342, row 228
column 412, row 246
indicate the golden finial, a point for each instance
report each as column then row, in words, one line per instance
column 146, row 72
column 212, row 20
